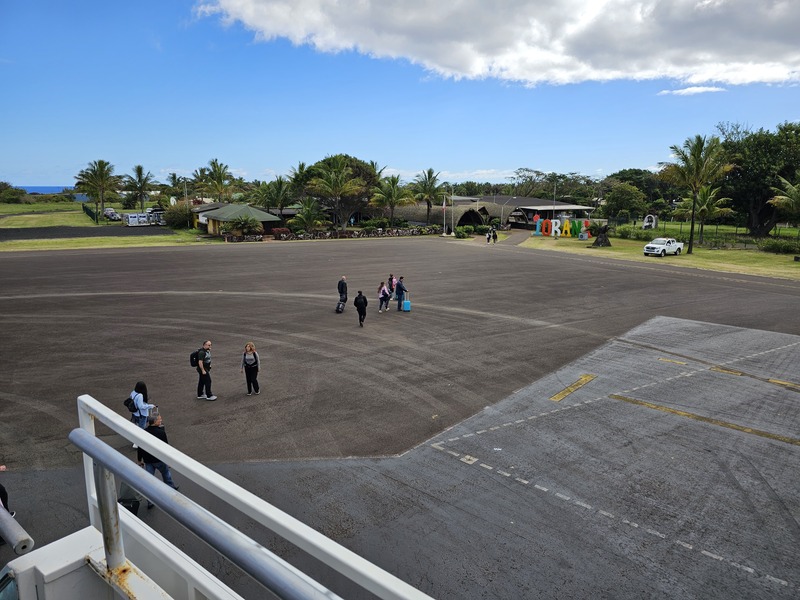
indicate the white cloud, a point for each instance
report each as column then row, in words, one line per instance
column 541, row 41
column 691, row 91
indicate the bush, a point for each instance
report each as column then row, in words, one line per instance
column 779, row 246
column 645, row 235
column 469, row 229
column 178, row 216
column 461, row 233
column 482, row 229
column 378, row 222
column 277, row 232
column 624, row 232
column 495, row 222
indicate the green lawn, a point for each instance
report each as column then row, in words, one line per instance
column 49, row 219
column 16, row 209
column 750, row 261
column 179, row 239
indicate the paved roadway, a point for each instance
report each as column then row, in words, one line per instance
column 429, row 442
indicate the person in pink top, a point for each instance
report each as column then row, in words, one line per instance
column 383, row 297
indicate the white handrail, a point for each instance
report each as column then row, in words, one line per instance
column 359, row 570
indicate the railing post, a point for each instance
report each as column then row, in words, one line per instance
column 109, row 516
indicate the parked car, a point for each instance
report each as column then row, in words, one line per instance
column 112, row 215
column 663, row 246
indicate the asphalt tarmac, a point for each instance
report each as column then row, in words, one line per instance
column 430, row 442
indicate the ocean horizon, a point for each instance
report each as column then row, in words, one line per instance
column 44, row 189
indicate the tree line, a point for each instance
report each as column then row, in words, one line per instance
column 737, row 176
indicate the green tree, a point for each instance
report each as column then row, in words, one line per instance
column 707, row 207
column 427, row 189
column 624, row 198
column 138, row 186
column 309, row 217
column 218, row 180
column 389, row 194
column 336, row 185
column 700, row 161
column 98, row 182
column 761, row 158
column 11, row 195
column 654, row 188
column 178, row 216
column 279, row 194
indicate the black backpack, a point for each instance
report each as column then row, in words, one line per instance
column 130, row 404
column 194, row 357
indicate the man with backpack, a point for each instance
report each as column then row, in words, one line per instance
column 202, row 358
column 361, row 306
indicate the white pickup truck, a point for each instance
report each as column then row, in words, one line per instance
column 663, row 246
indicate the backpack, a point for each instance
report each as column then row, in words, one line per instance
column 194, row 357
column 130, row 404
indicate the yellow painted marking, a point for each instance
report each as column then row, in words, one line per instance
column 727, row 371
column 582, row 381
column 788, row 384
column 677, row 362
column 688, row 415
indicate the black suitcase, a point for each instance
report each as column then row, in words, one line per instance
column 340, row 307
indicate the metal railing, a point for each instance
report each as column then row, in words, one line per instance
column 14, row 534
column 271, row 571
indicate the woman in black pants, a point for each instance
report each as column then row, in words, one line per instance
column 250, row 366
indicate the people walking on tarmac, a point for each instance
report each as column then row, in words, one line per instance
column 360, row 303
column 250, row 367
column 391, row 283
column 342, row 287
column 489, row 236
column 204, row 372
column 401, row 290
column 383, row 297
column 494, row 235
column 152, row 463
column 143, row 407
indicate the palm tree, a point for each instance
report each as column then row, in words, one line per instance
column 280, row 194
column 707, row 206
column 139, row 185
column 389, row 193
column 261, row 195
column 97, row 181
column 427, row 189
column 699, row 162
column 309, row 217
column 245, row 225
column 219, row 180
column 334, row 183
column 298, row 179
column 787, row 198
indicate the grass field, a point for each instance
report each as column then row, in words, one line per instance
column 49, row 219
column 43, row 207
column 180, row 238
column 750, row 261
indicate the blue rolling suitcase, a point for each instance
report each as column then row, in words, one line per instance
column 407, row 303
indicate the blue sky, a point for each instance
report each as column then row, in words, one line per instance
column 472, row 89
